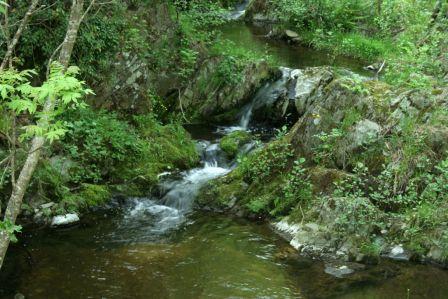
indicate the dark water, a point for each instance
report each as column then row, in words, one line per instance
column 292, row 56
column 210, row 256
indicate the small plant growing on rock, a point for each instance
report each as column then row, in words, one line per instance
column 324, row 151
column 296, row 190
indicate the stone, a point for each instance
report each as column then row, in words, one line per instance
column 360, row 258
column 307, row 82
column 365, row 131
column 47, row 205
column 312, row 227
column 399, row 253
column 291, row 34
column 338, row 272
column 436, row 254
column 63, row 220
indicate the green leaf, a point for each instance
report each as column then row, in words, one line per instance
column 55, row 134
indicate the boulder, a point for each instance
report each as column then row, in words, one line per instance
column 211, row 97
column 64, row 220
column 287, row 98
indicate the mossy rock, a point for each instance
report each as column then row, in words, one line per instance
column 323, row 179
column 90, row 196
column 231, row 143
column 222, row 194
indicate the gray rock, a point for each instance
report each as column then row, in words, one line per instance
column 399, row 253
column 365, row 131
column 291, row 34
column 63, row 220
column 435, row 254
column 338, row 272
column 307, row 82
column 47, row 205
column 312, row 226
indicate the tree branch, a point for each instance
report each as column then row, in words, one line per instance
column 15, row 40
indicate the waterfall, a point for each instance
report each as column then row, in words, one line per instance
column 171, row 209
column 239, row 10
column 266, row 96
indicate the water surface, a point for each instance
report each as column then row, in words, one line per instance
column 284, row 54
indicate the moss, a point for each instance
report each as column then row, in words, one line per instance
column 261, row 196
column 168, row 146
column 89, row 197
column 231, row 143
column 323, row 179
column 222, row 193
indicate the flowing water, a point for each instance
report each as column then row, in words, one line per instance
column 239, row 10
column 265, row 96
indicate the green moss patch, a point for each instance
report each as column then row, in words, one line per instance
column 231, row 143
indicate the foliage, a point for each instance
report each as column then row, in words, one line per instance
column 102, row 153
column 11, row 229
column 297, row 189
column 266, row 162
column 398, row 32
column 89, row 196
column 97, row 43
column 21, row 98
column 99, row 142
column 325, row 149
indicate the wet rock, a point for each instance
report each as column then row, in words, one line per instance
column 232, row 143
column 215, row 99
column 38, row 216
column 338, row 272
column 64, row 220
column 19, row 296
column 399, row 253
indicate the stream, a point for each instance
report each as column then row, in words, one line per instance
column 160, row 247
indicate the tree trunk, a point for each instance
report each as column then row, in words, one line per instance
column 12, row 44
column 15, row 202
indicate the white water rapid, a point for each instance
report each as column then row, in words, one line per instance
column 171, row 209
